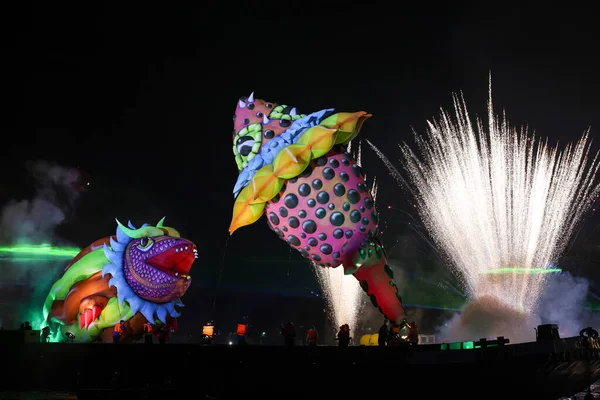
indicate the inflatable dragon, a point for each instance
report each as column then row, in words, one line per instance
column 138, row 275
column 294, row 167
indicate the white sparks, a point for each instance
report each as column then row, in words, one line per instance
column 498, row 199
column 342, row 295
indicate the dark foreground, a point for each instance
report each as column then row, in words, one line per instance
column 543, row 370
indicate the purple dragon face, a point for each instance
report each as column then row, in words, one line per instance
column 157, row 268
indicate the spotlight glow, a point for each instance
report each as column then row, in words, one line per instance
column 501, row 205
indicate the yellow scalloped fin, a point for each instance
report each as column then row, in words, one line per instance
column 291, row 161
column 266, row 184
column 348, row 124
column 319, row 139
column 245, row 213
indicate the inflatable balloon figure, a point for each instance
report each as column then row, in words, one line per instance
column 295, row 168
column 138, row 275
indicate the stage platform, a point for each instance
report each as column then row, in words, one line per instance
column 542, row 370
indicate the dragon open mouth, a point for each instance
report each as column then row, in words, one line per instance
column 176, row 261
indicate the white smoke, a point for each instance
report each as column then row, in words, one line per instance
column 34, row 220
column 562, row 303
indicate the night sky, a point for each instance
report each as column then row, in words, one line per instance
column 142, row 99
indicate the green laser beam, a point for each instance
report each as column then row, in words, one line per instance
column 45, row 250
column 524, row 271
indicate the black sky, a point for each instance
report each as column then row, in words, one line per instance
column 142, row 97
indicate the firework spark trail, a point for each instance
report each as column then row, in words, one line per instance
column 498, row 199
column 342, row 295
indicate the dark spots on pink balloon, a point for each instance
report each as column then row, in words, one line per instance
column 309, row 226
column 334, row 163
column 338, row 233
column 362, row 208
column 312, row 242
column 368, row 203
column 328, row 173
column 279, row 232
column 269, row 134
column 374, row 217
column 355, row 216
column 311, row 203
column 302, row 214
column 339, row 190
column 317, row 184
column 284, row 228
column 322, row 236
column 320, row 213
column 353, row 196
column 323, row 197
column 345, row 162
column 269, row 105
column 362, row 188
column 304, row 253
column 303, row 235
column 337, row 219
column 349, row 234
column 293, row 180
column 283, row 212
column 365, row 221
column 291, row 200
column 251, row 106
column 326, row 248
column 276, row 198
column 321, row 161
column 293, row 240
column 307, row 248
column 273, row 218
column 293, row 222
column 346, row 206
column 307, row 172
column 344, row 177
column 246, row 121
column 284, row 123
column 304, row 190
column 356, row 170
column 331, row 206
column 348, row 156
column 362, row 229
column 316, row 257
column 259, row 115
column 336, row 254
column 234, row 132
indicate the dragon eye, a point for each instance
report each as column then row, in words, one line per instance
column 145, row 244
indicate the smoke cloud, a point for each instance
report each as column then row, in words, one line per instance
column 34, row 221
column 562, row 303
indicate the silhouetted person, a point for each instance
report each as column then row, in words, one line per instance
column 148, row 331
column 383, row 334
column 289, row 333
column 26, row 326
column 343, row 335
column 162, row 333
column 45, row 334
column 413, row 332
column 118, row 331
column 312, row 336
